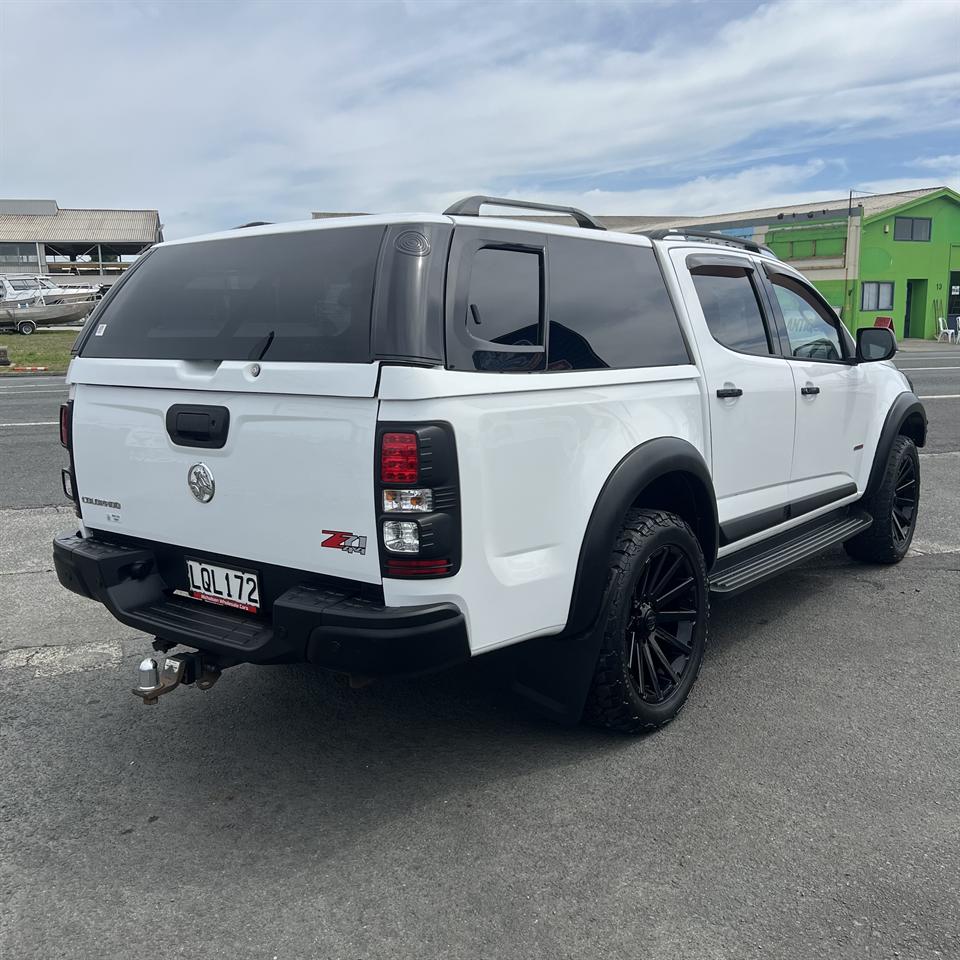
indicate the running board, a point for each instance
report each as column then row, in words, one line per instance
column 735, row 573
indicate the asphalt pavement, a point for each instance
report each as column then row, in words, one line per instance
column 806, row 803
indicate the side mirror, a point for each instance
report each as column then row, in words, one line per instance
column 875, row 343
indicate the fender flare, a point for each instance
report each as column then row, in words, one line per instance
column 637, row 470
column 905, row 406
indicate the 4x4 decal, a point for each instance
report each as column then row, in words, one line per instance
column 348, row 542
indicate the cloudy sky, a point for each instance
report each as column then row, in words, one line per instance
column 219, row 113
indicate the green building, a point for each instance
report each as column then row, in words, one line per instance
column 891, row 255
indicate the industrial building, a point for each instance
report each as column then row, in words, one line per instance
column 893, row 255
column 38, row 236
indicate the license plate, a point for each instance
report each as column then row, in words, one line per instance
column 224, row 586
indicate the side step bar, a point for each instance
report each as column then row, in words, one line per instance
column 739, row 571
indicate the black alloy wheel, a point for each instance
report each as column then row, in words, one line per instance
column 894, row 506
column 904, row 501
column 656, row 616
column 659, row 633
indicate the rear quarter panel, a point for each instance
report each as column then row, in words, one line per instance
column 534, row 452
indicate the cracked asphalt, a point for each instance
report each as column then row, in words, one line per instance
column 806, row 803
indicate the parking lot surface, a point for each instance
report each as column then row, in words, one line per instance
column 806, row 802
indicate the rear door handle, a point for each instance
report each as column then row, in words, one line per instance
column 726, row 393
column 809, row 391
column 198, row 425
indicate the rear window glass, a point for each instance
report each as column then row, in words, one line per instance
column 291, row 297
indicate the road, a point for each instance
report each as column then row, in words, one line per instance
column 805, row 804
column 31, row 460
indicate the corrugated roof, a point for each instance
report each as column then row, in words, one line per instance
column 871, row 207
column 80, row 226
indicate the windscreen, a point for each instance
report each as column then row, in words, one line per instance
column 303, row 296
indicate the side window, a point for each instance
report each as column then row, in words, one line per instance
column 732, row 310
column 609, row 308
column 812, row 332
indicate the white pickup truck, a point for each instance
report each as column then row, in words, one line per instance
column 385, row 444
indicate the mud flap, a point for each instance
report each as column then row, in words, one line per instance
column 553, row 675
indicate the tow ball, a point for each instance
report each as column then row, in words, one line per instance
column 157, row 678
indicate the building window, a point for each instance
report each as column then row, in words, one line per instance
column 911, row 228
column 876, row 296
column 19, row 255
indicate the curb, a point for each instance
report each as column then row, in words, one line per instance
column 46, row 372
column 30, row 369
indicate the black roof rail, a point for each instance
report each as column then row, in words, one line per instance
column 470, row 207
column 254, row 223
column 706, row 235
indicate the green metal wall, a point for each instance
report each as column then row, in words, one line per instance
column 825, row 241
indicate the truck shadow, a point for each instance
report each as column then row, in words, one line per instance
column 295, row 765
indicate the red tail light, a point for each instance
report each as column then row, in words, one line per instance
column 399, row 460
column 65, row 425
column 418, row 500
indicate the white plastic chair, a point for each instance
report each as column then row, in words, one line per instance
column 944, row 331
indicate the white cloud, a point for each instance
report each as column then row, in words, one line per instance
column 754, row 187
column 221, row 113
column 942, row 162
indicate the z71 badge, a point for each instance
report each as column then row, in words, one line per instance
column 348, row 542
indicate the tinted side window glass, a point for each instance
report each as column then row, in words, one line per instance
column 732, row 311
column 609, row 308
column 503, row 304
column 812, row 335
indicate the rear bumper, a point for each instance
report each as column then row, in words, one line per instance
column 328, row 626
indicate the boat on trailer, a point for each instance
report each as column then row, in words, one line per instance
column 26, row 319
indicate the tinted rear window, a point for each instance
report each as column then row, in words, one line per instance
column 222, row 300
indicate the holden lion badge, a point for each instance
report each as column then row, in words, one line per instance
column 200, row 481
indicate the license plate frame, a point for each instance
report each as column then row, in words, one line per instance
column 232, row 587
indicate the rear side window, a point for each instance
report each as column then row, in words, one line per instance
column 609, row 308
column 503, row 302
column 291, row 297
column 731, row 308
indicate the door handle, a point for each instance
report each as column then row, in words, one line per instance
column 726, row 393
column 198, row 425
column 809, row 391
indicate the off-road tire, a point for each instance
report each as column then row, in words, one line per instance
column 879, row 543
column 614, row 700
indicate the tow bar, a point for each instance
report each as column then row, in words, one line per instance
column 180, row 668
